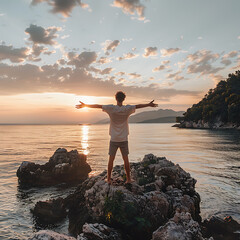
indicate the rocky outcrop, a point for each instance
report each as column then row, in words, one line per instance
column 98, row 231
column 50, row 211
column 180, row 227
column 221, row 229
column 160, row 189
column 161, row 204
column 207, row 125
column 50, row 235
column 62, row 167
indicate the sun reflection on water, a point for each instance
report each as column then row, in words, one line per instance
column 84, row 141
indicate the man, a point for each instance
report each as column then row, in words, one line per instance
column 119, row 129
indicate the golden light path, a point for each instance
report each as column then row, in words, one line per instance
column 84, row 141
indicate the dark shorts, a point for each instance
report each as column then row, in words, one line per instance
column 113, row 147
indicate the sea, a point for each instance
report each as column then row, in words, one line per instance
column 212, row 157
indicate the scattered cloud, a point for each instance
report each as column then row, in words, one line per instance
column 104, row 60
column 62, row 6
column 120, row 73
column 131, row 7
column 134, row 75
column 157, row 69
column 30, row 78
column 65, row 36
column 110, row 46
column 39, row 35
column 165, row 62
column 150, row 51
column 200, row 38
column 238, row 37
column 169, row 51
column 2, row 14
column 82, row 60
column 15, row 55
column 106, row 71
column 226, row 58
column 128, row 56
column 175, row 76
column 202, row 62
column 226, row 62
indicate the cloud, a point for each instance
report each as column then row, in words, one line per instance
column 157, row 69
column 106, row 71
column 169, row 51
column 150, row 51
column 130, row 7
column 202, row 62
column 111, row 46
column 175, row 76
column 238, row 37
column 64, row 7
column 39, row 35
column 216, row 78
column 82, row 60
column 104, row 60
column 128, row 56
column 120, row 73
column 30, row 78
column 134, row 75
column 225, row 59
column 15, row 55
column 165, row 62
column 226, row 62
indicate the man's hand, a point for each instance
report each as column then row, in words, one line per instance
column 82, row 105
column 152, row 104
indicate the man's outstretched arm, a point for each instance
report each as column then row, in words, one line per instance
column 151, row 104
column 82, row 105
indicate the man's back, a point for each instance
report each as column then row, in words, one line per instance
column 119, row 120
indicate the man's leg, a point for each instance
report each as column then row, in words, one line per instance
column 110, row 167
column 127, row 168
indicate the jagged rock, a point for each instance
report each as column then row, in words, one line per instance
column 50, row 211
column 62, row 167
column 137, row 209
column 50, row 235
column 98, row 231
column 180, row 227
column 221, row 229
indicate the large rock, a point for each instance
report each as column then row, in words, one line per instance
column 160, row 189
column 221, row 229
column 180, row 227
column 50, row 211
column 50, row 235
column 62, row 167
column 98, row 231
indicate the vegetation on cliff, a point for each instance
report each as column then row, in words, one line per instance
column 220, row 104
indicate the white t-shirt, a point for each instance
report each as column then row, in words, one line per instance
column 119, row 121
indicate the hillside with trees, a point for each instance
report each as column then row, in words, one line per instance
column 221, row 104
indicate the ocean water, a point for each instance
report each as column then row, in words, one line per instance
column 211, row 156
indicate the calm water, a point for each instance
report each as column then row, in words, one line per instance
column 212, row 157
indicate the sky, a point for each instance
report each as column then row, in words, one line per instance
column 54, row 53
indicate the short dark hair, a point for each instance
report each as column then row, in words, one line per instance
column 120, row 96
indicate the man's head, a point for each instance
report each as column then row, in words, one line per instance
column 120, row 96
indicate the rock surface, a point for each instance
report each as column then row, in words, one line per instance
column 50, row 235
column 98, row 231
column 62, row 167
column 161, row 189
column 207, row 125
column 50, row 211
column 221, row 229
column 180, row 227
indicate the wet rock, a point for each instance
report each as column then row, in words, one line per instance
column 221, row 229
column 50, row 211
column 160, row 188
column 180, row 227
column 98, row 231
column 50, row 235
column 62, row 167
